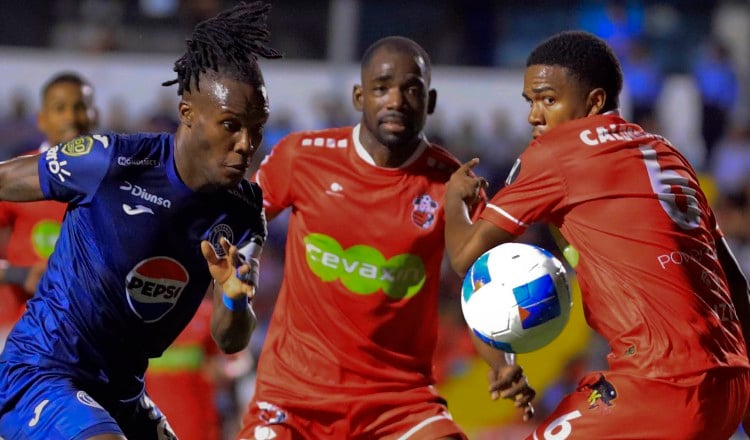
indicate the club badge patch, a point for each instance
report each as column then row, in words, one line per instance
column 214, row 237
column 80, row 146
column 423, row 214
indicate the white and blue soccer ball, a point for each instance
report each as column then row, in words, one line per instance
column 516, row 297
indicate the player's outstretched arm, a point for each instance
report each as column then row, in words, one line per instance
column 465, row 241
column 19, row 179
column 233, row 319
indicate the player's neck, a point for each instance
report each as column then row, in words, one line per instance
column 387, row 156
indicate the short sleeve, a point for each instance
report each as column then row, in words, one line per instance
column 533, row 189
column 72, row 172
column 275, row 175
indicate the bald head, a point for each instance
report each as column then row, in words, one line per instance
column 400, row 45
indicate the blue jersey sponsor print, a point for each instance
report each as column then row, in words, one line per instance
column 127, row 273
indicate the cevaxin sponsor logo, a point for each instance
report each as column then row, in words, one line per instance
column 143, row 193
column 153, row 287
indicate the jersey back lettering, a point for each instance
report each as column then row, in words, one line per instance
column 631, row 205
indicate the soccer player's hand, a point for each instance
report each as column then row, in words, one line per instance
column 509, row 382
column 465, row 185
column 228, row 270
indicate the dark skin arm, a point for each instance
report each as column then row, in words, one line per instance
column 19, row 179
column 230, row 329
column 465, row 242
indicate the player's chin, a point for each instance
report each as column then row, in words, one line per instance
column 232, row 179
column 395, row 138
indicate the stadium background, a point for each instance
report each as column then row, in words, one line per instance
column 126, row 48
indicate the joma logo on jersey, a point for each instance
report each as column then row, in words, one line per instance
column 363, row 269
column 56, row 166
column 143, row 193
column 154, row 285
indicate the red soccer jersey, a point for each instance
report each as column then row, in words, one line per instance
column 35, row 228
column 630, row 203
column 357, row 310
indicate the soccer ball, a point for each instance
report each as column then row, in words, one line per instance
column 516, row 297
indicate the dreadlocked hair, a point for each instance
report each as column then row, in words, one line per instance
column 229, row 43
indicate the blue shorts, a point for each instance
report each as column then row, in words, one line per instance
column 49, row 406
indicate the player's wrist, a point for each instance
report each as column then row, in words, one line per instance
column 238, row 304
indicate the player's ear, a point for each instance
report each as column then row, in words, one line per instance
column 357, row 97
column 185, row 111
column 595, row 101
column 431, row 101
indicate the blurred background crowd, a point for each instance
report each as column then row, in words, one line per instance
column 686, row 66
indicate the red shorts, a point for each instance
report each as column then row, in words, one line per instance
column 610, row 405
column 378, row 416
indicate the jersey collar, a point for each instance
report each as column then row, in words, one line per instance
column 364, row 155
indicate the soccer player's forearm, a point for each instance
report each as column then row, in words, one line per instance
column 232, row 322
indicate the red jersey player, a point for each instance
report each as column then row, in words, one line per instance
column 657, row 278
column 349, row 350
column 67, row 111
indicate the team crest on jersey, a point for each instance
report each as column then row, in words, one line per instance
column 214, row 237
column 87, row 400
column 153, row 287
column 513, row 172
column 602, row 391
column 423, row 214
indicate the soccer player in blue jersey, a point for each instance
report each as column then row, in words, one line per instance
column 152, row 219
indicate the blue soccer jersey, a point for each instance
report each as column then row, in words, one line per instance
column 127, row 273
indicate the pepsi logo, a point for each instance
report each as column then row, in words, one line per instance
column 154, row 285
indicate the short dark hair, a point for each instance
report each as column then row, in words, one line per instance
column 228, row 43
column 399, row 45
column 587, row 57
column 63, row 78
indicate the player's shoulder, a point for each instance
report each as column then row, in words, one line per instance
column 438, row 158
column 82, row 145
column 247, row 193
column 316, row 140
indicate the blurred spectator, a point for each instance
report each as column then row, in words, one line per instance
column 730, row 164
column 280, row 124
column 619, row 22
column 117, row 112
column 733, row 214
column 331, row 110
column 67, row 111
column 717, row 85
column 644, row 81
column 18, row 129
column 162, row 118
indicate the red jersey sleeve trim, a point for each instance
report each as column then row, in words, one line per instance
column 503, row 220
